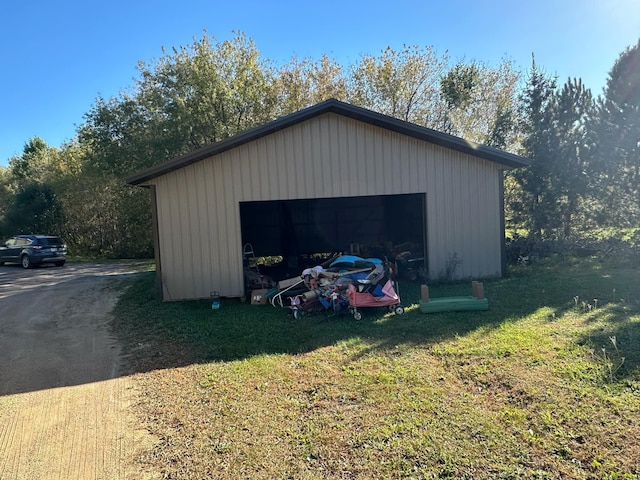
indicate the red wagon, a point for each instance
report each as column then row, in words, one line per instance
column 376, row 291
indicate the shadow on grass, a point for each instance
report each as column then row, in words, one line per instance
column 164, row 335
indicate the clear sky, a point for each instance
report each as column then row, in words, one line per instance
column 59, row 56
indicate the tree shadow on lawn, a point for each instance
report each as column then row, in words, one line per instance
column 159, row 335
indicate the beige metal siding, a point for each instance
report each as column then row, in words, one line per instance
column 327, row 156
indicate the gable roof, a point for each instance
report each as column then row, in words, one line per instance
column 341, row 108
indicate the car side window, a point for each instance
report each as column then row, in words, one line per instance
column 11, row 242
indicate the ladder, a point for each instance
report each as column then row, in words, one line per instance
column 249, row 258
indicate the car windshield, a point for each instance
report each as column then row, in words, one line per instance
column 50, row 241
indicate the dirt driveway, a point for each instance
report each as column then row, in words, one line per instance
column 64, row 408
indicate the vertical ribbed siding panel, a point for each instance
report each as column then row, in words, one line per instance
column 295, row 170
column 303, row 163
column 318, row 159
column 169, row 222
column 463, row 217
column 228, row 216
column 435, row 215
column 288, row 169
column 324, row 161
column 349, row 170
column 278, row 168
column 209, row 225
column 197, row 248
column 216, row 186
column 192, row 239
column 253, row 180
column 180, row 234
column 334, row 168
column 385, row 164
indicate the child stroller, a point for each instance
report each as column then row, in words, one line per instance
column 376, row 290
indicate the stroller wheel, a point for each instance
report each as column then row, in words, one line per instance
column 399, row 310
column 357, row 315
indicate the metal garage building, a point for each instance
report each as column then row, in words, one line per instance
column 319, row 180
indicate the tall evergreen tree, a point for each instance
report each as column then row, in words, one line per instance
column 535, row 206
column 617, row 128
column 570, row 172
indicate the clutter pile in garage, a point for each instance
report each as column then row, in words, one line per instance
column 343, row 284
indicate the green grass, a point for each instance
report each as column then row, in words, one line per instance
column 546, row 384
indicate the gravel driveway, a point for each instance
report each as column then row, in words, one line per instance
column 64, row 408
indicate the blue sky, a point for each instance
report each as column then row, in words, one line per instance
column 58, row 57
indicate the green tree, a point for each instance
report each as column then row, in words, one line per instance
column 207, row 92
column 34, row 163
column 470, row 100
column 534, row 206
column 6, row 197
column 480, row 102
column 457, row 89
column 502, row 128
column 106, row 218
column 35, row 209
column 302, row 83
column 404, row 84
column 189, row 98
column 30, row 188
column 571, row 171
column 617, row 145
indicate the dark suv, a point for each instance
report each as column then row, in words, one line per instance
column 30, row 250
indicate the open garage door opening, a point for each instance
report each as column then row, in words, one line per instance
column 299, row 232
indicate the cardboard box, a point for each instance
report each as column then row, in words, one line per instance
column 258, row 296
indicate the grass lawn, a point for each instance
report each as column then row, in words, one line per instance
column 546, row 384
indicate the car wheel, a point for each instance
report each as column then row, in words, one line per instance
column 26, row 261
column 60, row 263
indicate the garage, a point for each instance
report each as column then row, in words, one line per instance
column 328, row 178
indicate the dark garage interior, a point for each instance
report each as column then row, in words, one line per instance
column 296, row 230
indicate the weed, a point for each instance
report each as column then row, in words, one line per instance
column 611, row 360
column 448, row 274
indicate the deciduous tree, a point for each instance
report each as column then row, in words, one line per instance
column 480, row 103
column 189, row 98
column 404, row 84
column 302, row 83
column 35, row 209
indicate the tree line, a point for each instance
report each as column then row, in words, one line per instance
column 584, row 149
